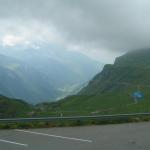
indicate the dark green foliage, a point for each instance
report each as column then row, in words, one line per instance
column 128, row 71
column 10, row 108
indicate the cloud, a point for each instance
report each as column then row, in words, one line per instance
column 96, row 27
column 20, row 32
column 10, row 40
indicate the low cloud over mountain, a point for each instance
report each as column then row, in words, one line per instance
column 101, row 29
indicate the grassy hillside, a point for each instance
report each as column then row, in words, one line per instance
column 111, row 90
column 14, row 108
column 98, row 104
column 128, row 71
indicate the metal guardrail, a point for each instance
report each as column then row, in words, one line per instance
column 48, row 119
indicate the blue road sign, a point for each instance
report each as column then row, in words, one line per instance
column 137, row 95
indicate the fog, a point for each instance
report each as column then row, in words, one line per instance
column 101, row 29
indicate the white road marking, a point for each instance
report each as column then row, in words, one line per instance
column 56, row 136
column 15, row 143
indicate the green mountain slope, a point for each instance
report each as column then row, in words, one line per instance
column 111, row 90
column 10, row 108
column 128, row 71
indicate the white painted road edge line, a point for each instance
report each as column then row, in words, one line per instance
column 56, row 136
column 15, row 143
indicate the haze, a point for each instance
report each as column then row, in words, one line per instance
column 101, row 29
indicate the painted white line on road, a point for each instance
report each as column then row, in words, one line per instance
column 15, row 143
column 56, row 136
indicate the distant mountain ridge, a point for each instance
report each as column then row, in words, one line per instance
column 110, row 91
column 20, row 80
column 38, row 75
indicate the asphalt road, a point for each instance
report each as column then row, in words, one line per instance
column 134, row 136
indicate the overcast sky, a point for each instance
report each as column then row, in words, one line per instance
column 101, row 29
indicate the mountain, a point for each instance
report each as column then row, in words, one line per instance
column 45, row 74
column 10, row 108
column 129, row 70
column 21, row 81
column 110, row 91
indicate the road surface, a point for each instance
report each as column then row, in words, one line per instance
column 132, row 136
